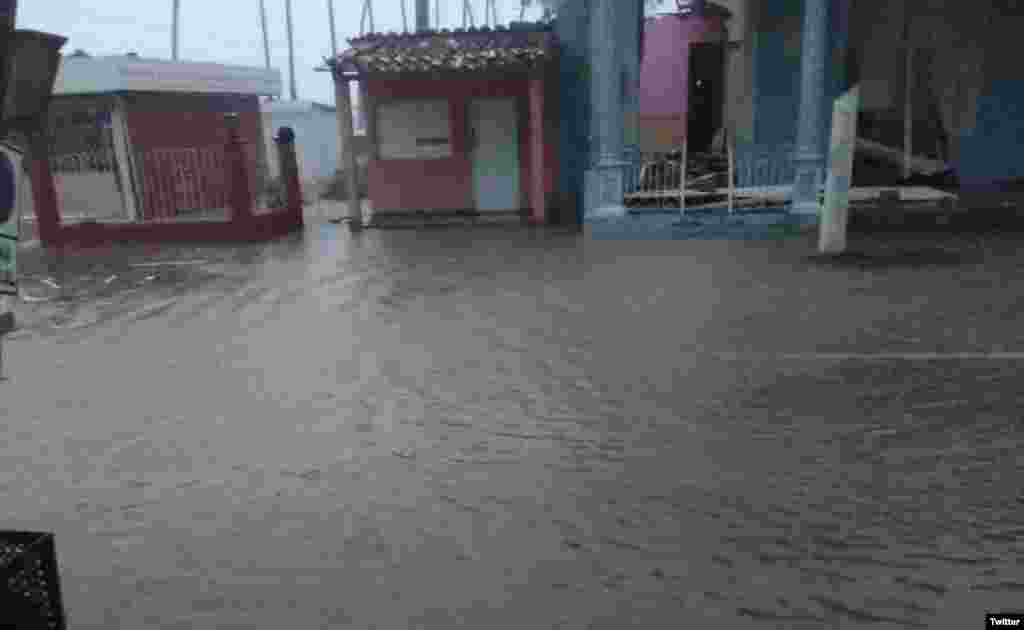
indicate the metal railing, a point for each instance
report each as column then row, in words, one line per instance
column 758, row 165
column 761, row 173
column 655, row 179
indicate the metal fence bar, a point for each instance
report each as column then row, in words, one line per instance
column 682, row 180
column 167, row 184
column 188, row 176
column 186, row 179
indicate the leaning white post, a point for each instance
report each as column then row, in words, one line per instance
column 123, row 159
column 834, row 216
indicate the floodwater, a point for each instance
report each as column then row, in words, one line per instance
column 495, row 428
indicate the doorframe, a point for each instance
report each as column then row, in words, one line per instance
column 718, row 109
column 517, row 115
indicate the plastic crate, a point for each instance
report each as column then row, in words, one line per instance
column 29, row 584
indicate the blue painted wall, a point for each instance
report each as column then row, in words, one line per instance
column 994, row 152
column 777, row 69
column 777, row 72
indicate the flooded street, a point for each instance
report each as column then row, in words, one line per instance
column 499, row 428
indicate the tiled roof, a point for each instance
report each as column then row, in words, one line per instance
column 517, row 47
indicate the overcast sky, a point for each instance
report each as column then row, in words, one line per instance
column 228, row 31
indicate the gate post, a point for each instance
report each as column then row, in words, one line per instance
column 289, row 167
column 241, row 193
column 44, row 191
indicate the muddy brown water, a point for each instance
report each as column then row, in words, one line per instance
column 511, row 428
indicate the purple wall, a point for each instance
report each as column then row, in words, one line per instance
column 665, row 71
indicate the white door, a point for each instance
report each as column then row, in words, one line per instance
column 495, row 154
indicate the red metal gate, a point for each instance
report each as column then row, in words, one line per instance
column 184, row 180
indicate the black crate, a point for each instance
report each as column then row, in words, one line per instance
column 29, row 584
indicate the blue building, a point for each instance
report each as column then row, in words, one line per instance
column 935, row 87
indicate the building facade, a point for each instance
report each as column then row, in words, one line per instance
column 463, row 121
column 145, row 137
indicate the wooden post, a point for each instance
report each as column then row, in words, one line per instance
column 369, row 106
column 908, row 91
column 537, row 196
column 346, row 135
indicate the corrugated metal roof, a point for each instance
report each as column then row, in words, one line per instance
column 130, row 73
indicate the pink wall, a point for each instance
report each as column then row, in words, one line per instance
column 447, row 184
column 665, row 71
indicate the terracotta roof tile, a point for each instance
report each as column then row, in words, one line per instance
column 519, row 47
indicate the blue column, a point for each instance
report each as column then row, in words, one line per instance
column 574, row 150
column 810, row 139
column 631, row 26
column 604, row 187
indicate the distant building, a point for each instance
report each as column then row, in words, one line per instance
column 316, row 140
column 146, row 136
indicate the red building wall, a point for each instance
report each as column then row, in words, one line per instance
column 174, row 121
column 447, row 184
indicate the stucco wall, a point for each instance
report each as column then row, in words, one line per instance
column 447, row 183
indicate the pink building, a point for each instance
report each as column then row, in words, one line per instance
column 463, row 121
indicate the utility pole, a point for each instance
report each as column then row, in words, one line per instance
column 266, row 39
column 334, row 34
column 422, row 15
column 291, row 49
column 175, row 25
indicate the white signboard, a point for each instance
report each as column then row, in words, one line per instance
column 414, row 130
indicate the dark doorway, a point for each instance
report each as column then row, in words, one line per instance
column 706, row 95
